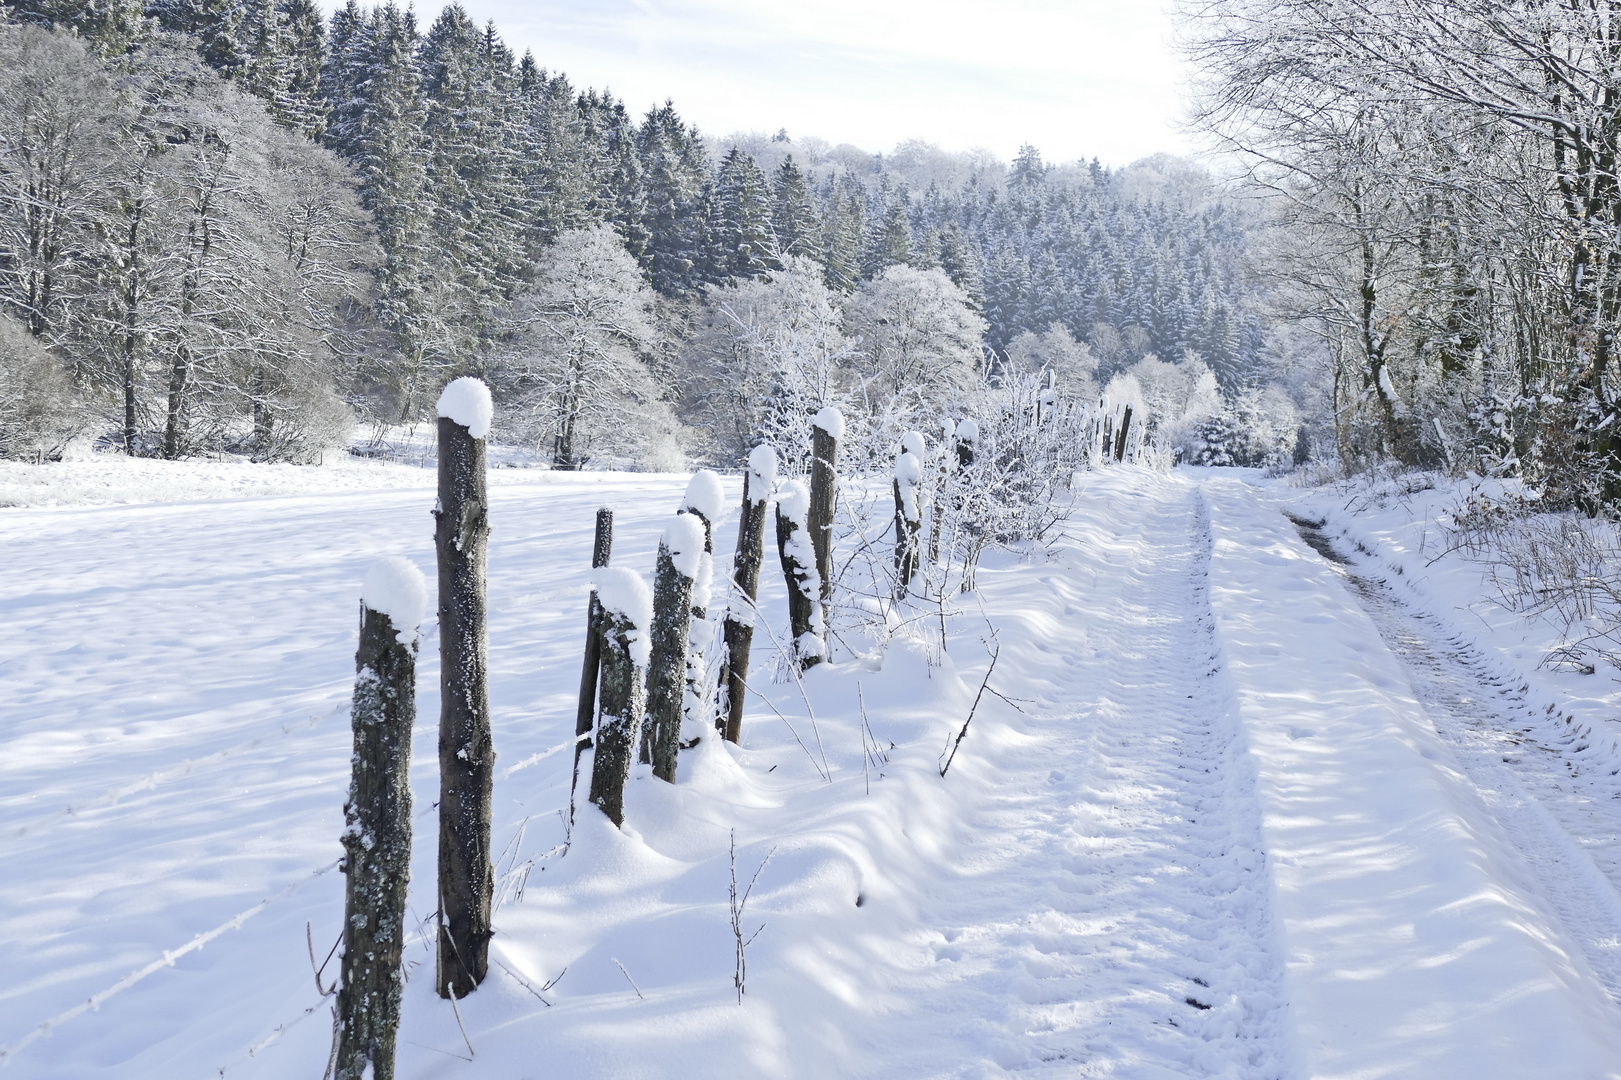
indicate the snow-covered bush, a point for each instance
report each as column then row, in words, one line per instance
column 1071, row 362
column 1179, row 397
column 1257, row 428
column 40, row 409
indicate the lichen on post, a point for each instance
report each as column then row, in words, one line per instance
column 681, row 551
column 621, row 693
column 799, row 570
column 377, row 821
column 758, row 481
column 466, row 748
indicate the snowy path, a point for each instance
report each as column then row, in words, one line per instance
column 1130, row 932
column 1562, row 813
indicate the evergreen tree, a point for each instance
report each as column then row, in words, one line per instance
column 676, row 183
column 844, row 227
column 741, row 243
column 793, row 213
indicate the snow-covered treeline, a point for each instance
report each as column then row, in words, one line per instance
column 237, row 226
column 1445, row 181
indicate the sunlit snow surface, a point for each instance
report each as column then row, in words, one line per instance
column 1212, row 839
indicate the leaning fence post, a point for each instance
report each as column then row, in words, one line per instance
column 799, row 570
column 466, row 752
column 377, row 820
column 1125, row 433
column 758, row 480
column 827, row 428
column 586, row 715
column 627, row 608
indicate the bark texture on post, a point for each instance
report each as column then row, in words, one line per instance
column 466, row 752
column 799, row 570
column 585, row 716
column 1125, row 432
column 680, row 551
column 826, row 431
column 376, row 848
column 621, row 692
column 706, row 500
column 740, row 614
column 908, row 520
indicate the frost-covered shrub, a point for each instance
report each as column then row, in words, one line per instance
column 1179, row 397
column 1256, row 429
column 40, row 408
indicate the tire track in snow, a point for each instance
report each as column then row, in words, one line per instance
column 1562, row 813
column 1146, row 948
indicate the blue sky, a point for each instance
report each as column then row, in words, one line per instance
column 1077, row 78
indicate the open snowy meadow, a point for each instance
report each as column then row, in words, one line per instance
column 1245, row 797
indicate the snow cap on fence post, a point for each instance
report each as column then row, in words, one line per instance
column 704, row 495
column 467, row 401
column 830, row 420
column 625, row 593
column 913, row 443
column 396, row 588
column 762, row 472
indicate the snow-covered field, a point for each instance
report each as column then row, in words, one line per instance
column 1239, row 814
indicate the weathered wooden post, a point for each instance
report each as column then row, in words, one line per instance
column 1125, row 432
column 627, row 609
column 799, row 570
column 946, row 466
column 377, row 820
column 758, row 480
column 908, row 512
column 585, row 716
column 705, row 500
column 466, row 751
column 681, row 551
column 827, row 428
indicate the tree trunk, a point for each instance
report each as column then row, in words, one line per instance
column 667, row 668
column 739, row 627
column 823, row 495
column 179, row 376
column 585, row 715
column 803, row 621
column 621, row 701
column 466, row 754
column 377, row 849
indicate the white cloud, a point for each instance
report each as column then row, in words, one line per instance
column 1077, row 78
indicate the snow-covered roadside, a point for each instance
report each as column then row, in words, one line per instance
column 1416, row 944
column 1391, row 529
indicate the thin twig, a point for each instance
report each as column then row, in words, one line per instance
column 628, row 979
column 309, row 943
column 521, row 982
column 964, row 732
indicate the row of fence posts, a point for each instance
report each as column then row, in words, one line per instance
column 643, row 672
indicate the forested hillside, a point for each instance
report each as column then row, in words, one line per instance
column 235, row 226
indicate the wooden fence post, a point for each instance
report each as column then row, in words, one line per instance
column 681, row 551
column 377, row 820
column 627, row 609
column 827, row 428
column 758, row 480
column 466, row 752
column 908, row 518
column 706, row 500
column 799, row 570
column 585, row 716
column 1125, row 433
